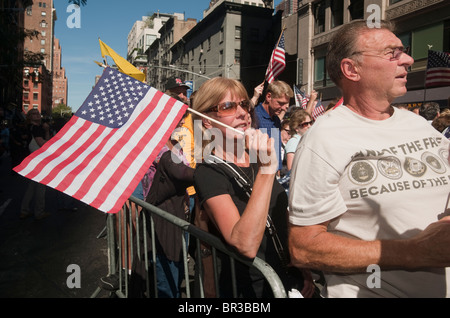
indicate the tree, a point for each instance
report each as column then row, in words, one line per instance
column 78, row 2
column 61, row 111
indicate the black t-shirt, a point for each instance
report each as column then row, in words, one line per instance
column 210, row 181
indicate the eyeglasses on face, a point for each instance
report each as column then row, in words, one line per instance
column 306, row 124
column 229, row 108
column 391, row 54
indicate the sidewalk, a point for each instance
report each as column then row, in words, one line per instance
column 35, row 254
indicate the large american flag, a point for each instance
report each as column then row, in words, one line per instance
column 301, row 100
column 277, row 62
column 438, row 69
column 103, row 152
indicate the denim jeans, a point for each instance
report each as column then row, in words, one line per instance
column 169, row 276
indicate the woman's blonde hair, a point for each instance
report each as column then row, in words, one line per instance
column 214, row 90
column 210, row 94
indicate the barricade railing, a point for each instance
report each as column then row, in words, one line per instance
column 128, row 238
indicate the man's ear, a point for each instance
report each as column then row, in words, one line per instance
column 350, row 70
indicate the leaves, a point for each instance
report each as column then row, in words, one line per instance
column 78, row 2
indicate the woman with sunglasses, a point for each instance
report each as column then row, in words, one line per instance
column 240, row 219
column 299, row 122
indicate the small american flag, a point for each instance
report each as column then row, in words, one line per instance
column 438, row 69
column 103, row 152
column 319, row 110
column 277, row 62
column 301, row 100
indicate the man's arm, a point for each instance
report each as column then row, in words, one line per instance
column 314, row 248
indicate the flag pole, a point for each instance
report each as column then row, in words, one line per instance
column 278, row 42
column 215, row 121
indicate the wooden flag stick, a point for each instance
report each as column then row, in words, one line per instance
column 215, row 121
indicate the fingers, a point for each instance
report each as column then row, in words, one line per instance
column 261, row 147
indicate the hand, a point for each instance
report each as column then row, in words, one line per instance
column 261, row 148
column 313, row 96
column 258, row 90
column 309, row 287
column 433, row 244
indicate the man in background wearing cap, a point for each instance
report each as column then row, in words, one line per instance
column 184, row 135
column 176, row 86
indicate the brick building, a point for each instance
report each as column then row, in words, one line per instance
column 59, row 77
column 38, row 60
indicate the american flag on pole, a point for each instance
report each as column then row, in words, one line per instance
column 319, row 110
column 438, row 69
column 103, row 152
column 277, row 62
column 301, row 100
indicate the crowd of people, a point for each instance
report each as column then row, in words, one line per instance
column 359, row 196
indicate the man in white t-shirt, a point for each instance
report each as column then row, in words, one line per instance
column 369, row 192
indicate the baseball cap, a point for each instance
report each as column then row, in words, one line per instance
column 175, row 82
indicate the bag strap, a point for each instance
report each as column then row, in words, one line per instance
column 247, row 187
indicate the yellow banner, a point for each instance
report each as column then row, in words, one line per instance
column 122, row 64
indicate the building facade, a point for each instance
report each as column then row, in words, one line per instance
column 38, row 52
column 233, row 40
column 60, row 87
column 160, row 53
column 420, row 24
column 141, row 37
column 12, row 22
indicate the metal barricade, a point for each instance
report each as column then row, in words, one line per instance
column 127, row 238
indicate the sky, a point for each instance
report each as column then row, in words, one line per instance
column 111, row 21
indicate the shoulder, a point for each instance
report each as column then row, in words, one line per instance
column 208, row 171
column 292, row 143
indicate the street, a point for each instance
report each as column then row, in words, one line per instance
column 38, row 257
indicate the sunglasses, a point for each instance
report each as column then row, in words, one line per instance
column 392, row 54
column 229, row 108
column 309, row 123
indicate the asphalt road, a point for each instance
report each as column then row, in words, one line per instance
column 57, row 257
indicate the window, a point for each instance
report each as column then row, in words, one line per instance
column 43, row 13
column 43, row 33
column 319, row 69
column 356, row 9
column 237, row 56
column 29, row 10
column 319, row 17
column 42, row 42
column 424, row 37
column 221, row 58
column 237, row 32
column 222, row 35
column 35, row 96
column 43, row 24
column 337, row 13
